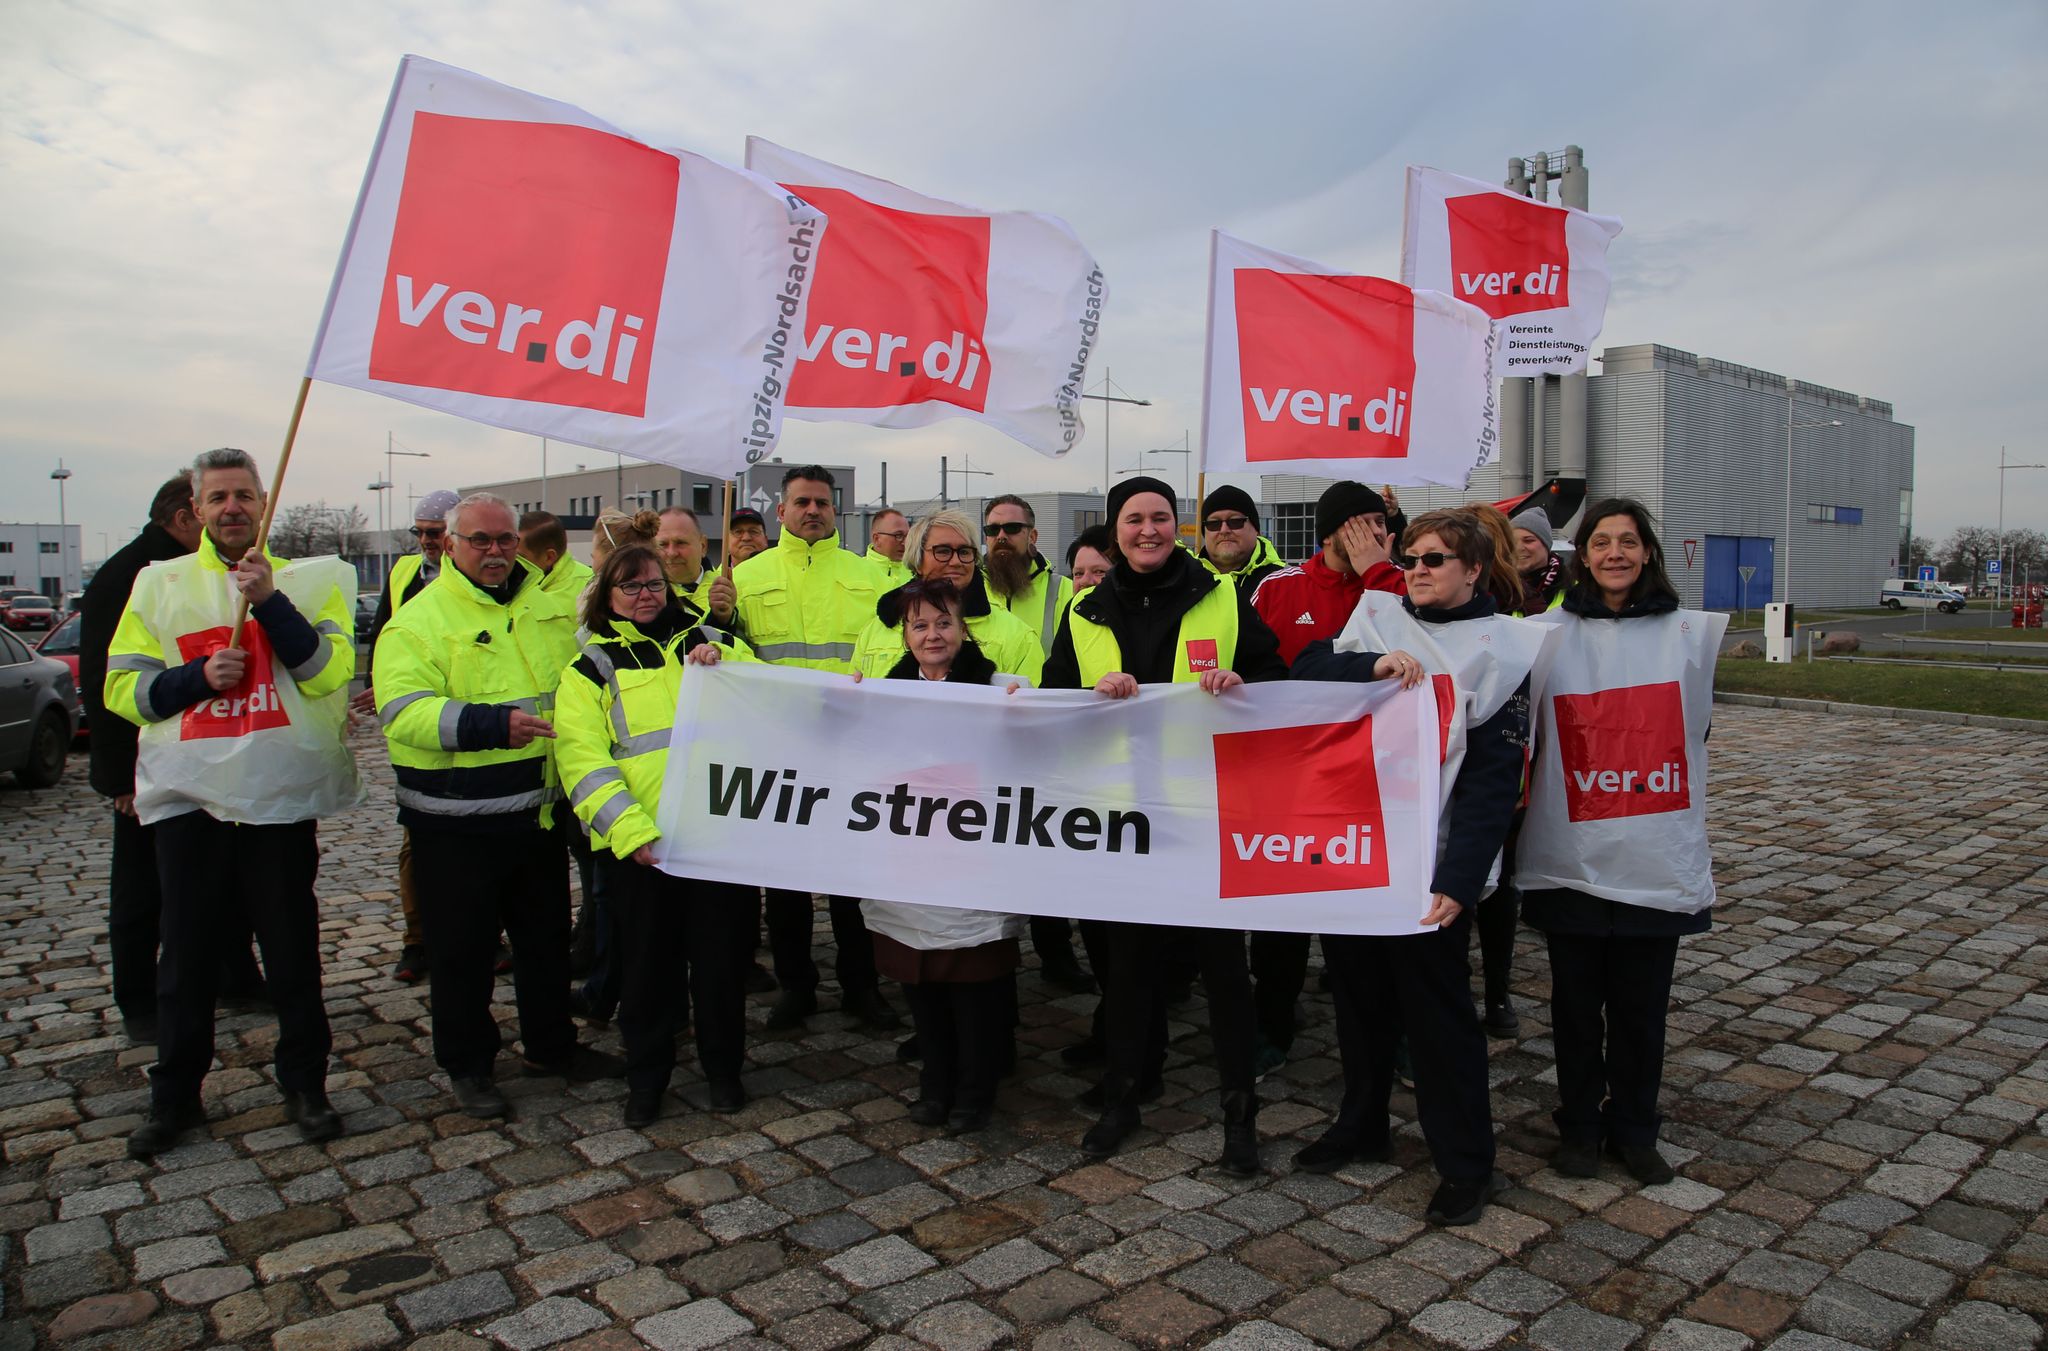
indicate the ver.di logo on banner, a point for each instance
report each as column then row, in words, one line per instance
column 874, row 342
column 527, row 262
column 1508, row 254
column 1298, row 810
column 1327, row 365
column 1623, row 752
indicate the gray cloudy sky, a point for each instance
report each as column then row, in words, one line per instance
column 1849, row 194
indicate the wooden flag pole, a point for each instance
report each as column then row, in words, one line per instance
column 725, row 534
column 284, row 462
column 1201, row 495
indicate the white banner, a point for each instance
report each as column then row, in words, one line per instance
column 516, row 261
column 926, row 309
column 1300, row 807
column 1316, row 371
column 1539, row 270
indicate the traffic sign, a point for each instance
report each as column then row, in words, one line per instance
column 1993, row 568
column 1927, row 572
column 1690, row 545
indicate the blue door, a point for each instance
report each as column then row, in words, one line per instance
column 1727, row 555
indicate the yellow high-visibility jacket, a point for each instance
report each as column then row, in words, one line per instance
column 1001, row 636
column 805, row 604
column 450, row 667
column 1039, row 605
column 613, row 712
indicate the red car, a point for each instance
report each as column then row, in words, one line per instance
column 61, row 644
column 30, row 612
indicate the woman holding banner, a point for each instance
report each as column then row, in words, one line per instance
column 1161, row 617
column 1449, row 628
column 1613, row 858
column 613, row 712
column 958, row 968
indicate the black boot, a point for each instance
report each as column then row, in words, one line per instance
column 1240, row 1134
column 313, row 1114
column 1106, row 1136
column 165, row 1124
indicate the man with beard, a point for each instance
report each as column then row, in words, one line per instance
column 1231, row 543
column 1019, row 578
column 1022, row 582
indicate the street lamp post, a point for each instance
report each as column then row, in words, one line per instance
column 60, row 473
column 1791, row 403
column 1106, row 399
column 1998, row 593
column 382, row 487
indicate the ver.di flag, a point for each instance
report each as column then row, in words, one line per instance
column 1312, row 370
column 925, row 309
column 1294, row 806
column 1539, row 270
column 518, row 262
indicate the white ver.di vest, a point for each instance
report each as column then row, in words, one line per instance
column 262, row 754
column 1483, row 660
column 1618, row 790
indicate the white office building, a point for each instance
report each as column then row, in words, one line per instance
column 43, row 558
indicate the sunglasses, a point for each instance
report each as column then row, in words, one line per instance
column 484, row 544
column 433, row 532
column 946, row 553
column 1010, row 528
column 641, row 588
column 1221, row 523
column 1432, row 559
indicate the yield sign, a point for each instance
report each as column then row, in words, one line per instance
column 1690, row 545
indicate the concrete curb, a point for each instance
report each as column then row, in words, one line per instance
column 2041, row 648
column 1879, row 711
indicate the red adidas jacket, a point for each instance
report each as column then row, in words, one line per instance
column 1314, row 600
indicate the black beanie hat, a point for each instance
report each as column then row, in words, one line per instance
column 1228, row 498
column 1131, row 487
column 1340, row 502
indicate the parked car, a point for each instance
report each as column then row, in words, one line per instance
column 38, row 713
column 1918, row 595
column 31, row 612
column 62, row 643
column 366, row 615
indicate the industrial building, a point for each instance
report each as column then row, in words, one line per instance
column 44, row 558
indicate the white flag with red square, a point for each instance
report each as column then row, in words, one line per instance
column 515, row 261
column 1314, row 370
column 1537, row 269
column 924, row 309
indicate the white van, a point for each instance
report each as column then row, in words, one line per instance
column 1912, row 595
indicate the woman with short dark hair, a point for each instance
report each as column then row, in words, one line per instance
column 1615, row 878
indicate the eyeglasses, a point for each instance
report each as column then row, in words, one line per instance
column 484, row 544
column 640, row 588
column 946, row 553
column 892, row 534
column 1432, row 559
column 434, row 532
column 1010, row 528
column 1221, row 523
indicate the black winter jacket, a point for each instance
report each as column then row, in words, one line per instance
column 112, row 762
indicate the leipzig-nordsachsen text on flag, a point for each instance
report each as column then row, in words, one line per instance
column 923, row 309
column 1539, row 270
column 516, row 261
column 1293, row 806
column 1312, row 370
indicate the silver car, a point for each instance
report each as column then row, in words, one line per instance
column 38, row 713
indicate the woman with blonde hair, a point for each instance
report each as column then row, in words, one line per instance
column 942, row 546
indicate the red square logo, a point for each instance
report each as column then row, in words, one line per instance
column 1623, row 752
column 1508, row 254
column 250, row 706
column 527, row 262
column 897, row 308
column 1202, row 654
column 1298, row 810
column 1327, row 365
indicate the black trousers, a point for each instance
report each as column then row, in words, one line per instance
column 964, row 1031
column 1419, row 984
column 667, row 925
column 1499, row 916
column 135, row 901
column 1095, row 942
column 1608, row 1001
column 789, row 939
column 595, row 870
column 472, row 887
column 1279, row 970
column 1052, row 938
column 215, row 876
column 1134, row 1000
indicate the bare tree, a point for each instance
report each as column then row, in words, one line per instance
column 1919, row 551
column 1965, row 552
column 308, row 529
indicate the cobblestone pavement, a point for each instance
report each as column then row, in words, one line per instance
column 1856, row 1091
